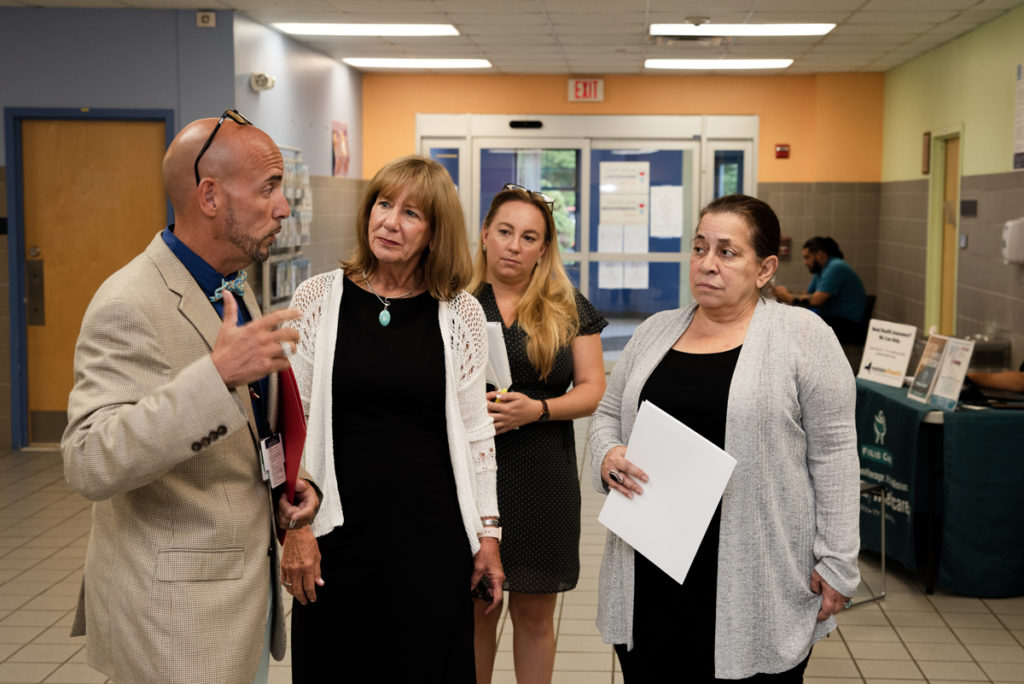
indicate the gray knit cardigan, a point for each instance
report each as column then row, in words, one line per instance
column 792, row 505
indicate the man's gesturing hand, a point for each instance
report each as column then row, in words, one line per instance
column 249, row 352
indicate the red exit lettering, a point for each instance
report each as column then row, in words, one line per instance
column 586, row 90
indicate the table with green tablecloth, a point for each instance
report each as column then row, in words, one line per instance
column 954, row 480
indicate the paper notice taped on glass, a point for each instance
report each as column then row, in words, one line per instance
column 497, row 372
column 688, row 475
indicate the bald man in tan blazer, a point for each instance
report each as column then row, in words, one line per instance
column 180, row 574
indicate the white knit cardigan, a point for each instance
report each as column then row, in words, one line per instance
column 470, row 429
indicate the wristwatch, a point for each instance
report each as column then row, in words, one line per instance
column 545, row 415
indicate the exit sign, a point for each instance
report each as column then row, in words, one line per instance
column 586, row 90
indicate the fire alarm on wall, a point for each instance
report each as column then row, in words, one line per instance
column 782, row 151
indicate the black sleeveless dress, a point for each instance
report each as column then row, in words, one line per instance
column 396, row 603
column 673, row 624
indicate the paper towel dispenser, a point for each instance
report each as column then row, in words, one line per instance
column 1013, row 241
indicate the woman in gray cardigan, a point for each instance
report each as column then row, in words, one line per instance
column 770, row 385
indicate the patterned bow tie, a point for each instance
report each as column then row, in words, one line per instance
column 236, row 285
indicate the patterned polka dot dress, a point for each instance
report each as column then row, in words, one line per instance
column 538, row 485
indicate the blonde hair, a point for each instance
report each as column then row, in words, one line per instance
column 547, row 309
column 445, row 263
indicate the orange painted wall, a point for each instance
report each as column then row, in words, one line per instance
column 832, row 122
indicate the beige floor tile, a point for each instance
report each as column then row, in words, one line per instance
column 60, row 603
column 1004, row 672
column 39, row 575
column 7, row 649
column 1011, row 620
column 503, row 661
column 19, row 635
column 958, row 604
column 909, row 601
column 831, row 667
column 876, row 650
column 581, row 598
column 952, row 670
column 862, row 615
column 280, row 675
column 77, row 673
column 930, row 635
column 583, row 662
column 13, row 601
column 892, row 669
column 830, row 648
column 835, row 680
column 584, row 627
column 567, row 677
column 972, row 620
column 575, row 643
column 994, row 637
column 503, row 677
column 997, row 654
column 32, row 618
column 941, row 652
column 1011, row 606
column 894, row 681
column 44, row 653
column 573, row 612
column 915, row 618
column 25, row 672
column 57, row 635
column 867, row 633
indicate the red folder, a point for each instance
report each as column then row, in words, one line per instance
column 291, row 423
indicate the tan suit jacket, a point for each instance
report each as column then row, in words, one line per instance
column 181, row 561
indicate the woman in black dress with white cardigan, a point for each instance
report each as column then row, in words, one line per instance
column 390, row 370
column 552, row 339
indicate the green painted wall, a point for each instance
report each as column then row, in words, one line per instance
column 969, row 82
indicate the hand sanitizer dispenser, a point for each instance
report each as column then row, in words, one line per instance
column 1013, row 241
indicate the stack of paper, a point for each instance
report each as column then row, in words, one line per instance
column 688, row 475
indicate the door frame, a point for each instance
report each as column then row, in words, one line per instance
column 707, row 131
column 13, row 119
column 933, row 241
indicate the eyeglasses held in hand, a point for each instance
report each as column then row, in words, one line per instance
column 546, row 199
column 228, row 114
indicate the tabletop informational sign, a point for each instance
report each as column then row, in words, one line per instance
column 887, row 352
column 940, row 373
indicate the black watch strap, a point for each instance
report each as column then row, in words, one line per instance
column 545, row 415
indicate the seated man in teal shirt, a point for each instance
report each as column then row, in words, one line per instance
column 836, row 292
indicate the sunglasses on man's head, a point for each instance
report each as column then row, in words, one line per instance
column 228, row 114
column 546, row 199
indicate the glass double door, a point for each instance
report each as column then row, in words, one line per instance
column 625, row 212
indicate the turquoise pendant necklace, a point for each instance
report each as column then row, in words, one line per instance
column 384, row 317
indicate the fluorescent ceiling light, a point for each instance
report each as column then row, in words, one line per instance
column 716, row 64
column 398, row 63
column 301, row 29
column 741, row 29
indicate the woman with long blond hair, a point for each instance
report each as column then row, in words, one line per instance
column 552, row 338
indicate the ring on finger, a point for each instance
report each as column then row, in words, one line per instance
column 615, row 475
column 286, row 583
